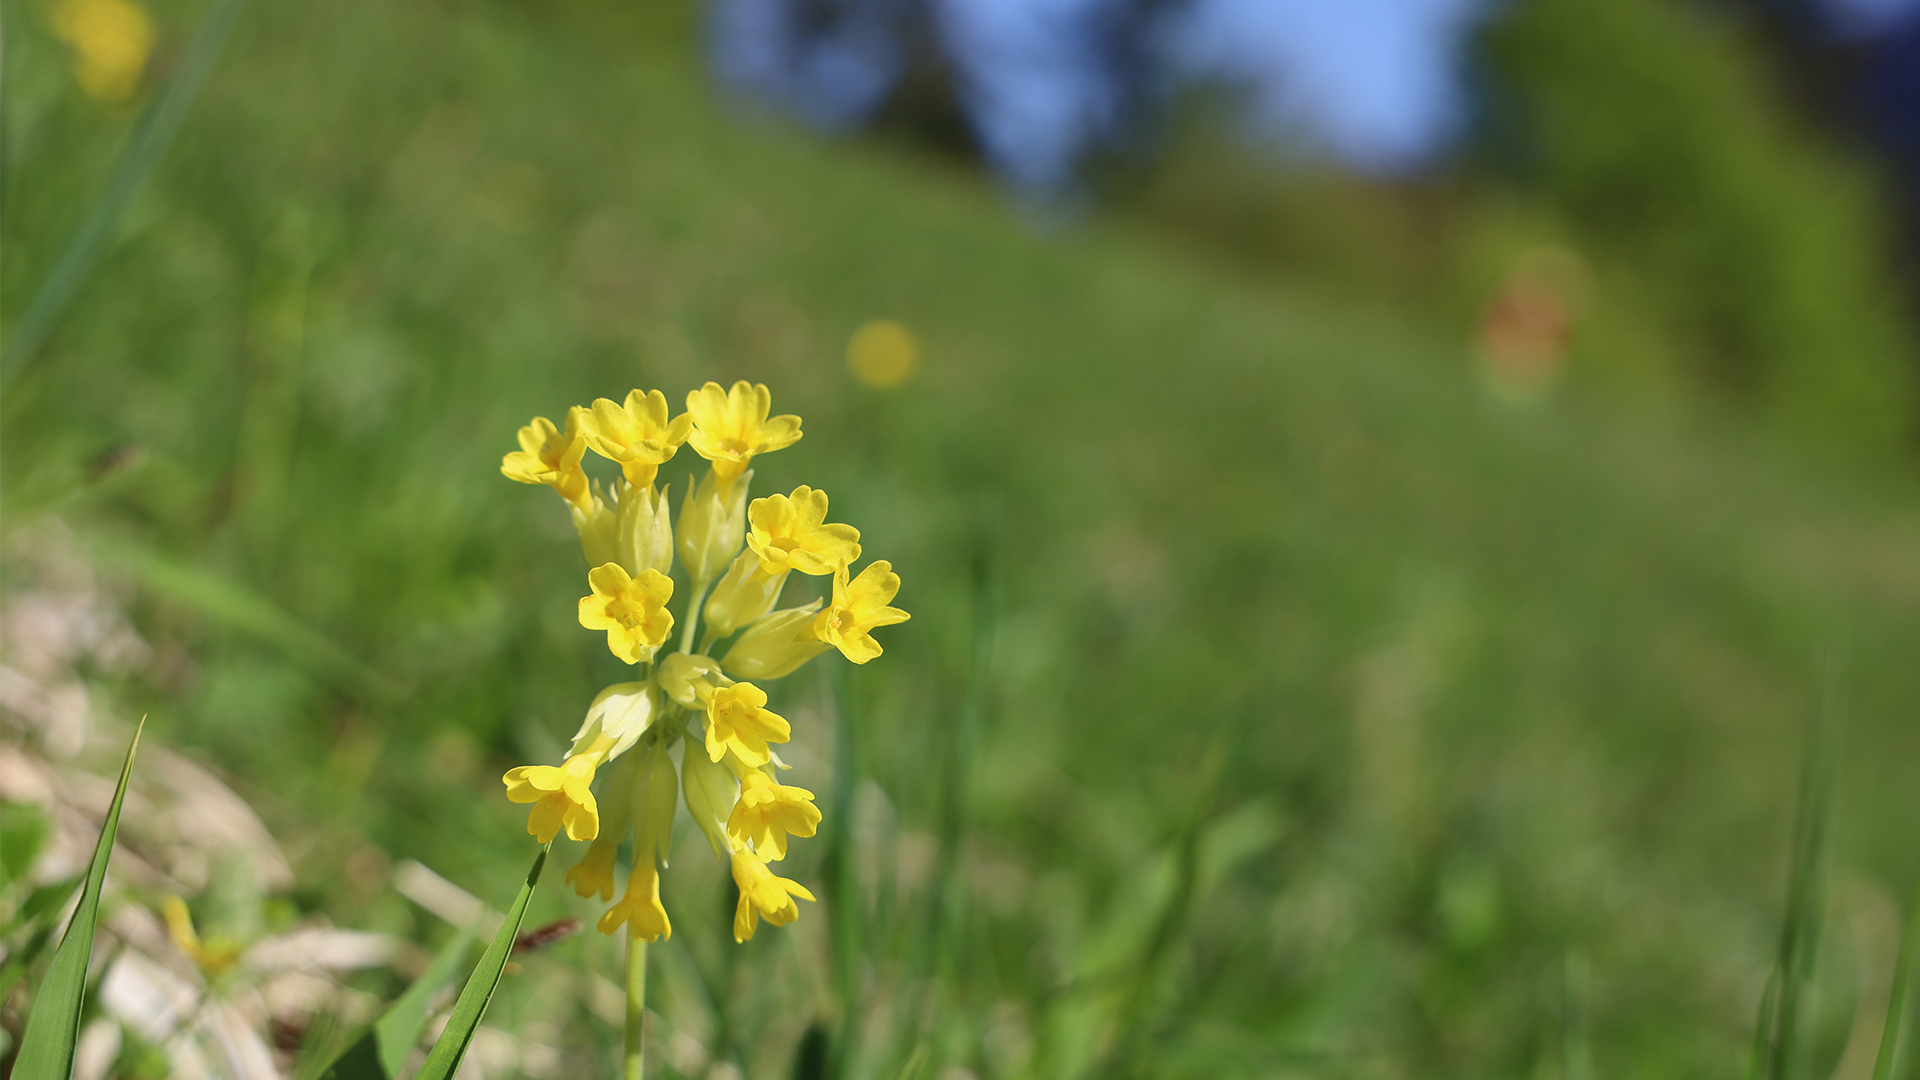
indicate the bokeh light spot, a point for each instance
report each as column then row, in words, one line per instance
column 883, row 354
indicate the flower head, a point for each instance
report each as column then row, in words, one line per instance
column 636, row 434
column 762, row 893
column 858, row 607
column 731, row 426
column 738, row 720
column 790, row 533
column 640, row 908
column 550, row 456
column 562, row 795
column 632, row 610
column 767, row 812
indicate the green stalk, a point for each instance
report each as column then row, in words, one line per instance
column 636, row 1050
column 1893, row 1048
column 693, row 616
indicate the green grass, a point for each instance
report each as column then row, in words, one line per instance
column 1334, row 715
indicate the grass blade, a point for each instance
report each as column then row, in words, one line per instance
column 53, row 1028
column 1800, row 932
column 1895, row 1049
column 380, row 1052
column 446, row 1054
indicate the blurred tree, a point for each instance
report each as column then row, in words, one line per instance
column 1649, row 126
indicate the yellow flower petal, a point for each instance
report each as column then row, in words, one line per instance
column 790, row 533
column 858, row 607
column 632, row 610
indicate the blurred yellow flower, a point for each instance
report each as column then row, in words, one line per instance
column 731, row 426
column 111, row 40
column 882, row 354
column 211, row 957
column 562, row 795
column 640, row 909
column 632, row 610
column 738, row 720
column 637, row 434
column 550, row 456
column 790, row 533
column 767, row 812
column 593, row 874
column 762, row 893
column 858, row 607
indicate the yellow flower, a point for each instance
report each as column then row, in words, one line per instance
column 858, row 606
column 622, row 713
column 731, row 426
column 776, row 645
column 790, row 533
column 762, row 893
column 640, row 909
column 594, row 873
column 737, row 720
column 632, row 610
column 767, row 812
column 550, row 456
column 212, row 957
column 637, row 434
column 110, row 39
column 562, row 795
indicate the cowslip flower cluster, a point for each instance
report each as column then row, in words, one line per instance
column 706, row 696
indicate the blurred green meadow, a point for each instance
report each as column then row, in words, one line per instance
column 1279, row 700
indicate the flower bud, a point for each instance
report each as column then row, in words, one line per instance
column 745, row 594
column 713, row 525
column 776, row 645
column 598, row 526
column 689, row 678
column 656, row 790
column 643, row 531
column 711, row 792
column 622, row 712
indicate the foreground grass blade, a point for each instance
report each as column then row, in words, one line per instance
column 1896, row 1049
column 46, row 1047
column 446, row 1054
column 380, row 1052
column 1779, row 1029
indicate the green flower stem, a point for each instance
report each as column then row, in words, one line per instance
column 636, row 1050
column 693, row 616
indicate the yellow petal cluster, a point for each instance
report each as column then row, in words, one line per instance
column 738, row 721
column 745, row 548
column 762, row 893
column 768, row 812
column 550, row 456
column 731, row 426
column 790, row 533
column 858, row 606
column 632, row 610
column 637, row 434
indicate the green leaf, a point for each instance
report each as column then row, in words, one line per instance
column 446, row 1054
column 46, row 1048
column 382, row 1050
column 41, row 912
